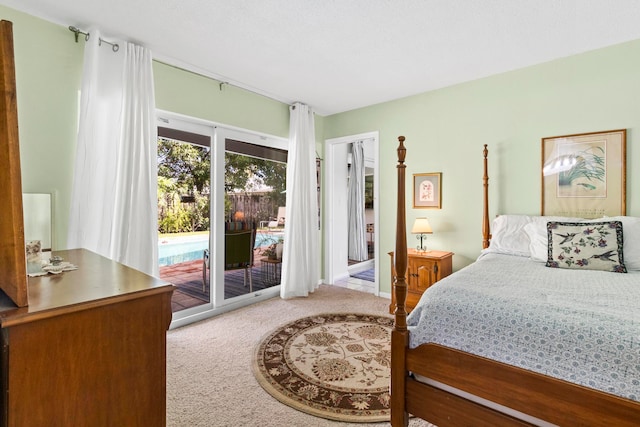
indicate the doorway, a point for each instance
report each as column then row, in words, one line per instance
column 338, row 268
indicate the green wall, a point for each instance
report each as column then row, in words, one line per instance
column 445, row 131
column 48, row 74
column 193, row 95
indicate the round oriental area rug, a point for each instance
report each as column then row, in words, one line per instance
column 334, row 366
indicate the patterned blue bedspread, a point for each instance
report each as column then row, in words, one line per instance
column 580, row 326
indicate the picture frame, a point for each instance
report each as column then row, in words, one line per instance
column 584, row 175
column 368, row 192
column 427, row 190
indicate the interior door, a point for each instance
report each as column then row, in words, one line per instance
column 336, row 268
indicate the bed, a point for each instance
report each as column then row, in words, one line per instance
column 584, row 365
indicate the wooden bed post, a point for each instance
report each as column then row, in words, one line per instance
column 400, row 335
column 486, row 232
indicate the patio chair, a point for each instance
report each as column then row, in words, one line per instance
column 279, row 221
column 238, row 254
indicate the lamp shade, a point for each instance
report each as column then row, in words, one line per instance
column 421, row 226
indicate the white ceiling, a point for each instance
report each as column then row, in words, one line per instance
column 338, row 55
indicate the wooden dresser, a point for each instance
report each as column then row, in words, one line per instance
column 88, row 350
column 423, row 270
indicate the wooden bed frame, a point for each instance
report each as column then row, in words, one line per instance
column 546, row 398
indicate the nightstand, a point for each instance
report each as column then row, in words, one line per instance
column 423, row 270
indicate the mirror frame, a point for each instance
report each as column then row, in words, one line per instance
column 13, row 274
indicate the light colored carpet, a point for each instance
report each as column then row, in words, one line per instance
column 209, row 378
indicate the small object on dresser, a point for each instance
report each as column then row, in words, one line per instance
column 55, row 260
column 33, row 253
column 33, row 250
column 57, row 265
column 51, row 268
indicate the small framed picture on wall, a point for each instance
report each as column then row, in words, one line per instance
column 427, row 190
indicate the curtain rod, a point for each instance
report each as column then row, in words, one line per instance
column 114, row 46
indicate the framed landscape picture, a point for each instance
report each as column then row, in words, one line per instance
column 427, row 190
column 584, row 175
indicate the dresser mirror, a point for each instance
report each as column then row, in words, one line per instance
column 37, row 219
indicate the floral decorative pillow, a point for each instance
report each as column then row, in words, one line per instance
column 587, row 246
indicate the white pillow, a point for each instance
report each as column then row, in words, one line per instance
column 538, row 241
column 536, row 232
column 508, row 236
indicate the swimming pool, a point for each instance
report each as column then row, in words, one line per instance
column 265, row 239
column 175, row 251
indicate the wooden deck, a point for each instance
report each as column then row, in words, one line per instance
column 187, row 277
column 178, row 274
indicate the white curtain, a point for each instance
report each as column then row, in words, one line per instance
column 114, row 196
column 300, row 261
column 357, row 229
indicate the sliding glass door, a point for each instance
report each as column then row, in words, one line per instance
column 221, row 215
column 253, row 176
column 184, row 190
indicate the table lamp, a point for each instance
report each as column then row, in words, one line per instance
column 421, row 227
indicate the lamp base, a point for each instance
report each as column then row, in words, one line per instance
column 422, row 247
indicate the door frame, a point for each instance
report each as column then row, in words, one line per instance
column 335, row 156
column 216, row 273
